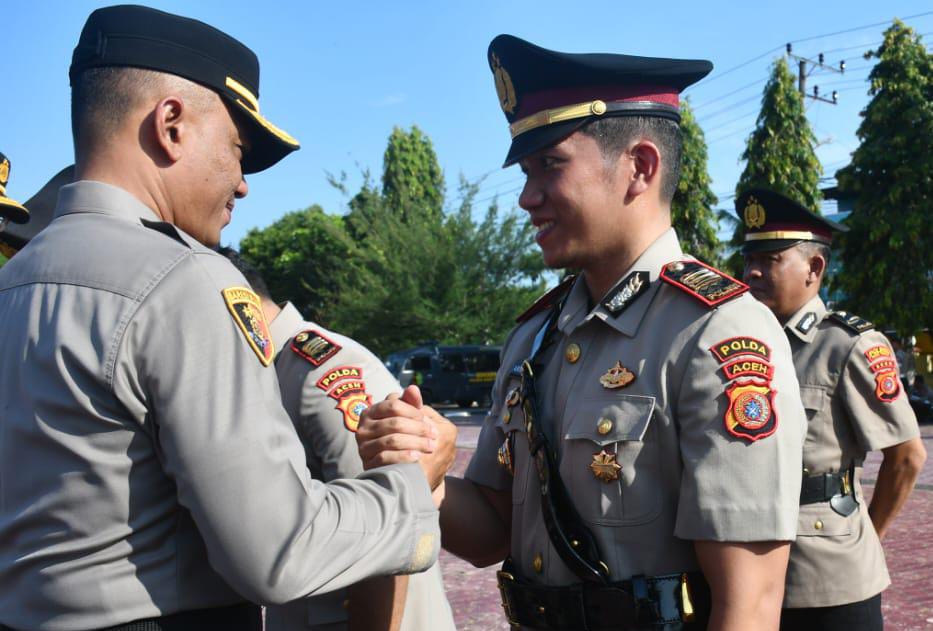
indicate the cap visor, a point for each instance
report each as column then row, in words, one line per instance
column 540, row 138
column 268, row 143
column 13, row 210
column 770, row 245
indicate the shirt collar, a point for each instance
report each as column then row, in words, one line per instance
column 665, row 249
column 285, row 326
column 803, row 324
column 87, row 196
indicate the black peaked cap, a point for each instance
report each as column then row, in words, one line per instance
column 774, row 221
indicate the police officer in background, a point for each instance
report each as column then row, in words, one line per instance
column 41, row 207
column 854, row 403
column 327, row 380
column 11, row 211
column 639, row 463
column 149, row 476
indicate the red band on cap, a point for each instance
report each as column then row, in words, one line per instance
column 559, row 97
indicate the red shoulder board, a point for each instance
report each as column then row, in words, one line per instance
column 314, row 347
column 548, row 299
column 705, row 283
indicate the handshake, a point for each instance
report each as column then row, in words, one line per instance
column 403, row 429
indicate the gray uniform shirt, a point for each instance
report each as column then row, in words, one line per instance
column 146, row 463
column 850, row 389
column 683, row 475
column 319, row 396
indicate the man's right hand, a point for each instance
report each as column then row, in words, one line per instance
column 403, row 429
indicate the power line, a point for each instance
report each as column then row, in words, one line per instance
column 728, row 94
column 729, row 107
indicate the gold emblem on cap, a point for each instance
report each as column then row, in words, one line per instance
column 598, row 108
column 754, row 213
column 572, row 353
column 604, row 426
column 538, row 563
column 504, row 88
column 605, row 467
column 617, row 377
column 4, row 171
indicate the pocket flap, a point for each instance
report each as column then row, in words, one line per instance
column 812, row 397
column 819, row 520
column 622, row 417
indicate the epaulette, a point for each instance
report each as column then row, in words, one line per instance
column 705, row 283
column 314, row 347
column 851, row 321
column 548, row 299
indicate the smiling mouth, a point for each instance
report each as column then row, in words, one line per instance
column 544, row 228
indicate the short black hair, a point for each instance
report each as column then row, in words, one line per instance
column 250, row 273
column 614, row 133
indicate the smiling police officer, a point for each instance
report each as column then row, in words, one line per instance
column 149, row 476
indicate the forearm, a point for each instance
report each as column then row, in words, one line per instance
column 474, row 523
column 746, row 582
column 377, row 604
column 896, row 478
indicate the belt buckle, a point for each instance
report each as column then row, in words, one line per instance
column 502, row 579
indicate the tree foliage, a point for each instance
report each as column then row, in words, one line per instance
column 398, row 269
column 887, row 255
column 692, row 206
column 780, row 153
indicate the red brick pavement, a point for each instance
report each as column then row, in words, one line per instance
column 907, row 604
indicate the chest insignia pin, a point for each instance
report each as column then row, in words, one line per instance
column 605, row 467
column 617, row 377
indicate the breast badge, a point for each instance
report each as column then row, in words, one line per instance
column 617, row 377
column 246, row 309
column 750, row 413
column 504, row 455
column 605, row 467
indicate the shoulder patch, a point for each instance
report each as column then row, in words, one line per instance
column 314, row 347
column 705, row 283
column 352, row 400
column 735, row 346
column 878, row 352
column 750, row 414
column 549, row 298
column 851, row 321
column 338, row 374
column 246, row 309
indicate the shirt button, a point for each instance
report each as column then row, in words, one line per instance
column 818, row 525
column 572, row 353
column 604, row 426
column 538, row 563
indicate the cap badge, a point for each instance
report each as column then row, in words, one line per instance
column 754, row 213
column 605, row 467
column 4, row 171
column 617, row 377
column 504, row 88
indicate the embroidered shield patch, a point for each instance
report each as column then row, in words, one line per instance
column 887, row 385
column 246, row 309
column 750, row 414
column 352, row 402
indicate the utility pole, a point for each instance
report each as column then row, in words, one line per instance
column 803, row 72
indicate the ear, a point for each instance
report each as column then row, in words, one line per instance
column 817, row 269
column 169, row 126
column 646, row 164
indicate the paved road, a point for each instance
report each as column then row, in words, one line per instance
column 907, row 604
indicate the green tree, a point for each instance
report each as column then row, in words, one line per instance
column 780, row 153
column 692, row 206
column 887, row 256
column 412, row 180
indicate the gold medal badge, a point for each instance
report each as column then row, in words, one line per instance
column 617, row 377
column 246, row 310
column 605, row 467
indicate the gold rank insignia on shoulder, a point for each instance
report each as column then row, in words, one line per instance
column 314, row 347
column 617, row 377
column 246, row 309
column 605, row 467
column 705, row 283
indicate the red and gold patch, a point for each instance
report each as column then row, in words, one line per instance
column 246, row 309
column 314, row 347
column 884, row 364
column 750, row 414
column 877, row 352
column 748, row 368
column 339, row 374
column 735, row 346
column 706, row 284
column 887, row 385
column 352, row 401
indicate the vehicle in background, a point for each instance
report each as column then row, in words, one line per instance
column 458, row 374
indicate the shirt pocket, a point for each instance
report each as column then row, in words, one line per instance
column 613, row 429
column 813, row 399
column 820, row 520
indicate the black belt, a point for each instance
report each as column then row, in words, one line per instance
column 671, row 602
column 241, row 617
column 823, row 487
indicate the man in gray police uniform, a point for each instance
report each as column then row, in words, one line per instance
column 624, row 452
column 327, row 380
column 149, row 476
column 851, row 391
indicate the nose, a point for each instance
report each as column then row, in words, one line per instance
column 752, row 272
column 531, row 196
column 242, row 190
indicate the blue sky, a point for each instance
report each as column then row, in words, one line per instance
column 340, row 75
